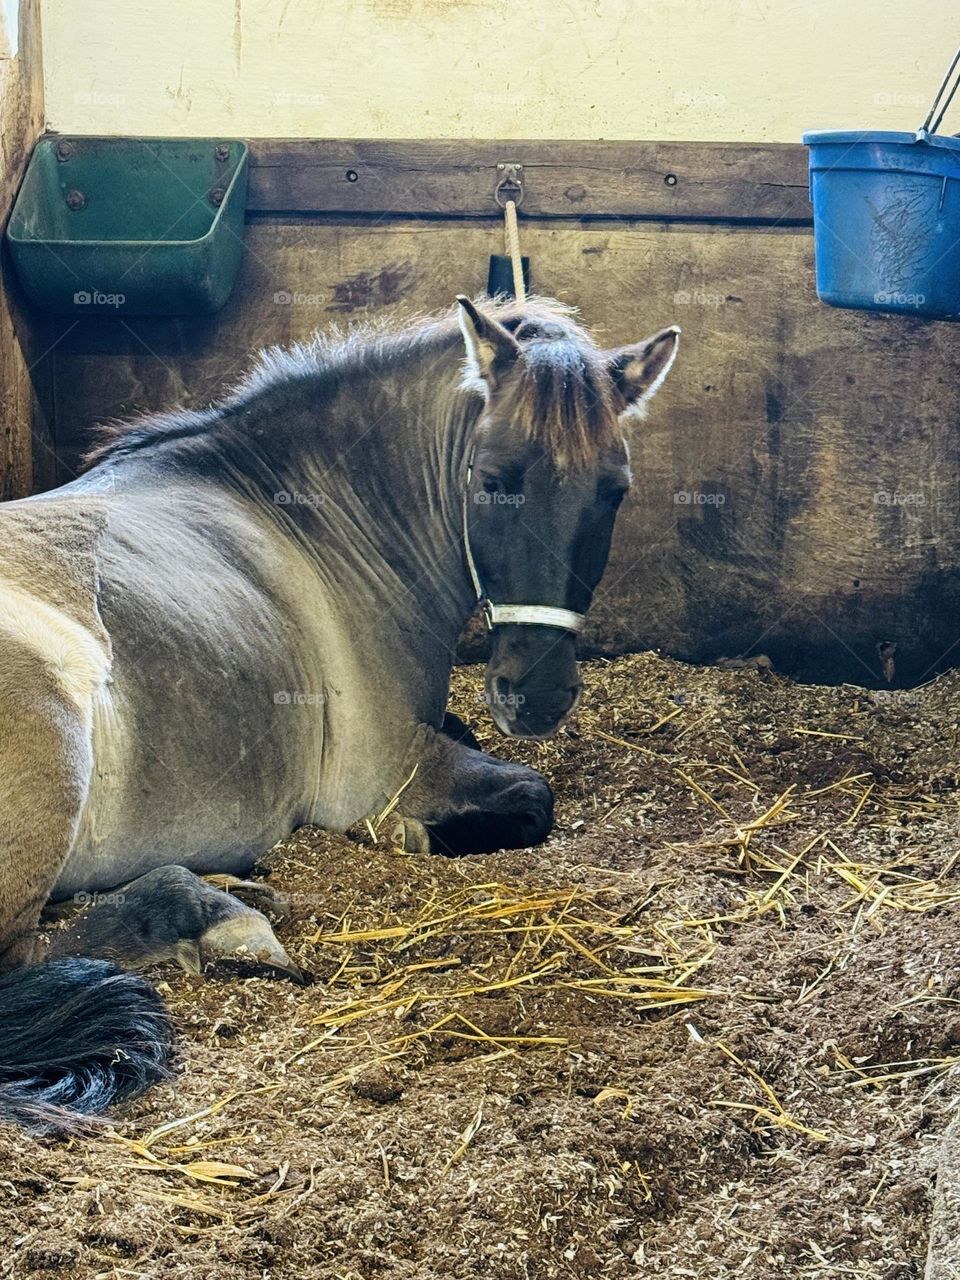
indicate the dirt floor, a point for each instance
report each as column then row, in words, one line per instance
column 707, row 1031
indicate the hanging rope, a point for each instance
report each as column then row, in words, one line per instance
column 508, row 194
column 511, row 235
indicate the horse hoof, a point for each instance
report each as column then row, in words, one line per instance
column 246, row 940
column 409, row 834
column 253, row 893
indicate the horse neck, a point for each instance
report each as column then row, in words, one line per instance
column 377, row 477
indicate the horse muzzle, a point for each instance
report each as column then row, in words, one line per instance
column 532, row 682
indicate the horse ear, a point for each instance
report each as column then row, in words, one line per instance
column 638, row 370
column 491, row 349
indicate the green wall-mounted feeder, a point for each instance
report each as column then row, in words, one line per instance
column 130, row 226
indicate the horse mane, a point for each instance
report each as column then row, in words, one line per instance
column 561, row 398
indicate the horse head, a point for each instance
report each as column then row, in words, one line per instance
column 548, row 470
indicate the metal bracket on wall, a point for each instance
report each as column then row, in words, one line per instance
column 509, row 184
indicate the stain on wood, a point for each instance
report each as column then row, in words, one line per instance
column 390, row 284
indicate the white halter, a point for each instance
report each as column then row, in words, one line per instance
column 540, row 615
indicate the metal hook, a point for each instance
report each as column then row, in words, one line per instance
column 509, row 185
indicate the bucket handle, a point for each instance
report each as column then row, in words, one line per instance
column 938, row 109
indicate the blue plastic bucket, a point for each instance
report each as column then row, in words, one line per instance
column 886, row 221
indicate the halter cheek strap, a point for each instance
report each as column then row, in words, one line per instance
column 539, row 615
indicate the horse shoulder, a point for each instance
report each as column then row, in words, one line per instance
column 76, row 657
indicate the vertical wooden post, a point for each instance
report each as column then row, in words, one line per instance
column 943, row 1258
column 21, row 121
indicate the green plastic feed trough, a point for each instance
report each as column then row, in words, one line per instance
column 130, row 226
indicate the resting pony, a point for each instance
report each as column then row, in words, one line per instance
column 243, row 619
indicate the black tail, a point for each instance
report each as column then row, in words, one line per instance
column 77, row 1035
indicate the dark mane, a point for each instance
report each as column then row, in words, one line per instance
column 562, row 397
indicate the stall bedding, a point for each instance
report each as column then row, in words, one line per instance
column 710, row 1029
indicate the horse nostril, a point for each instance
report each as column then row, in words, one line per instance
column 503, row 696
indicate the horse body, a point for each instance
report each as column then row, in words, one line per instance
column 244, row 620
column 194, row 761
column 265, row 663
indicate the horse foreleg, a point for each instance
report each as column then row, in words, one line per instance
column 172, row 914
column 469, row 802
column 46, row 760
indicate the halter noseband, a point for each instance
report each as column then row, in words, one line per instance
column 540, row 615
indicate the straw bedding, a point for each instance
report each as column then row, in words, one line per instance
column 710, row 1029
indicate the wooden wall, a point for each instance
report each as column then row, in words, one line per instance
column 829, row 436
column 797, row 484
column 21, row 122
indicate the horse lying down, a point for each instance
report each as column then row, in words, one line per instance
column 243, row 619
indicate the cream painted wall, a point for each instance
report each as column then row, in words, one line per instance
column 719, row 70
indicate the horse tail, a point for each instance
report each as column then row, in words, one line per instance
column 76, row 1036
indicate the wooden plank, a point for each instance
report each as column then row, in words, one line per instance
column 21, row 115
column 839, row 526
column 589, row 180
column 943, row 1254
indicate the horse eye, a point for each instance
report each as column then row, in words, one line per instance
column 492, row 484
